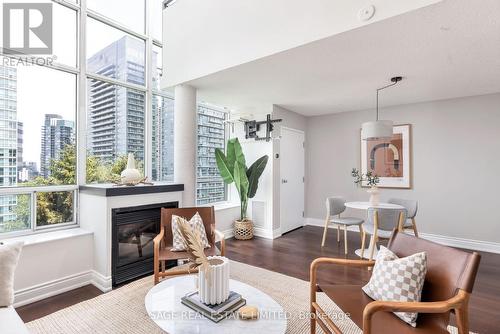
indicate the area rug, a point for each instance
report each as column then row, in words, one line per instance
column 122, row 310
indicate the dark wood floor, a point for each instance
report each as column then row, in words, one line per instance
column 292, row 254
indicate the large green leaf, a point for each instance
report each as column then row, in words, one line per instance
column 254, row 173
column 226, row 171
column 241, row 182
column 238, row 151
column 231, row 155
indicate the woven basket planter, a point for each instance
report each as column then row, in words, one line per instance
column 243, row 230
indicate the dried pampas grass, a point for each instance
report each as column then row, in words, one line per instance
column 195, row 250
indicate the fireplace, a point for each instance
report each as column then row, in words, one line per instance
column 133, row 231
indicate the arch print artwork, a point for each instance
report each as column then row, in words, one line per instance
column 389, row 159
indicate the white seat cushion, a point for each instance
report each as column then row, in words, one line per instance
column 10, row 322
column 346, row 220
column 9, row 255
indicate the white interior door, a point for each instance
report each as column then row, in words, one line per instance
column 292, row 179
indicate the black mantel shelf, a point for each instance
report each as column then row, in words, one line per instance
column 109, row 189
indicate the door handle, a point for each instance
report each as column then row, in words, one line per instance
column 284, row 181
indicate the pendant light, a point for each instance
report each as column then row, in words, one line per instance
column 378, row 129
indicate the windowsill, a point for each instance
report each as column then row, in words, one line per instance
column 225, row 205
column 39, row 238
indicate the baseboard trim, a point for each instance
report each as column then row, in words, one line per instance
column 103, row 283
column 48, row 289
column 267, row 234
column 257, row 231
column 471, row 244
column 477, row 245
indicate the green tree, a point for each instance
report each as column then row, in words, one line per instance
column 57, row 207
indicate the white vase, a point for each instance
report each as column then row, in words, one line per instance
column 214, row 289
column 374, row 195
column 130, row 174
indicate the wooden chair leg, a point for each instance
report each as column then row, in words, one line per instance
column 327, row 221
column 414, row 225
column 462, row 317
column 345, row 239
column 372, row 247
column 156, row 267
column 363, row 237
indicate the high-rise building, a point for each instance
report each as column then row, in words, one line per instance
column 20, row 139
column 211, row 135
column 163, row 138
column 116, row 114
column 57, row 133
column 8, row 139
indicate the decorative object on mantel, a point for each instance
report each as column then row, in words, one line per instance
column 213, row 276
column 371, row 180
column 389, row 158
column 131, row 176
column 379, row 130
column 232, row 168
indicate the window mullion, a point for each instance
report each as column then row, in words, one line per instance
column 81, row 119
column 148, row 110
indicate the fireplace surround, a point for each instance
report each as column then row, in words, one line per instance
column 133, row 231
column 100, row 204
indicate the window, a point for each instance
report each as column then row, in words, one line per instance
column 40, row 107
column 114, row 53
column 210, row 187
column 115, row 127
column 163, row 138
column 130, row 13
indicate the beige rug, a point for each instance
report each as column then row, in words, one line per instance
column 122, row 310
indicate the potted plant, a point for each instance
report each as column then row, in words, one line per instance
column 232, row 167
column 371, row 181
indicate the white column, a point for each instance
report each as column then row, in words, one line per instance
column 185, row 130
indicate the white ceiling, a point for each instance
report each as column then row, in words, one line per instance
column 447, row 50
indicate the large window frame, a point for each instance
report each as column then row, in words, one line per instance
column 82, row 13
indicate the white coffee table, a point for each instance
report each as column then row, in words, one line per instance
column 365, row 206
column 163, row 304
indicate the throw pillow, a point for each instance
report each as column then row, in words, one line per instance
column 9, row 255
column 398, row 279
column 196, row 223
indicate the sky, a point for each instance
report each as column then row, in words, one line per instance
column 42, row 91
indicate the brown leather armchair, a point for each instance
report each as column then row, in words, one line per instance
column 448, row 284
column 163, row 241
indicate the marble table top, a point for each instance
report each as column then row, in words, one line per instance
column 163, row 304
column 367, row 205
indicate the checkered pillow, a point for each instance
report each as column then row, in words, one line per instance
column 196, row 223
column 398, row 279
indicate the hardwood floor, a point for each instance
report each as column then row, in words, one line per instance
column 292, row 254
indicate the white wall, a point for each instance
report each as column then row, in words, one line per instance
column 456, row 159
column 209, row 36
column 52, row 263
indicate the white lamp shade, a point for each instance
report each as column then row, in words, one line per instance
column 376, row 130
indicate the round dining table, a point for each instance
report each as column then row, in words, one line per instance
column 365, row 206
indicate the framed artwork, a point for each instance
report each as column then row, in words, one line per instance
column 389, row 159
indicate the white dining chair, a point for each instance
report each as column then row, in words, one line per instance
column 380, row 223
column 334, row 207
column 411, row 207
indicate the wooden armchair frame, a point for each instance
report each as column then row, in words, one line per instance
column 458, row 303
column 160, row 243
